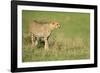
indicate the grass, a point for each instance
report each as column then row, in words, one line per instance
column 70, row 42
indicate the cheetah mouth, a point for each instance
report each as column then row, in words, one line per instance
column 59, row 26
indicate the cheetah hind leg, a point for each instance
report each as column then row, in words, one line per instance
column 32, row 40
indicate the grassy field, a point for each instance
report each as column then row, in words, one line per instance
column 70, row 42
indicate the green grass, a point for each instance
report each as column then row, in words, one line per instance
column 69, row 42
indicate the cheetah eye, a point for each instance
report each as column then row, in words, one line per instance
column 53, row 23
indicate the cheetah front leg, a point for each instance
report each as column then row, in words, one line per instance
column 46, row 43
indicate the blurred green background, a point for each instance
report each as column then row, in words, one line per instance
column 70, row 42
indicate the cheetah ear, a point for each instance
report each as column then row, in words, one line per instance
column 53, row 23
